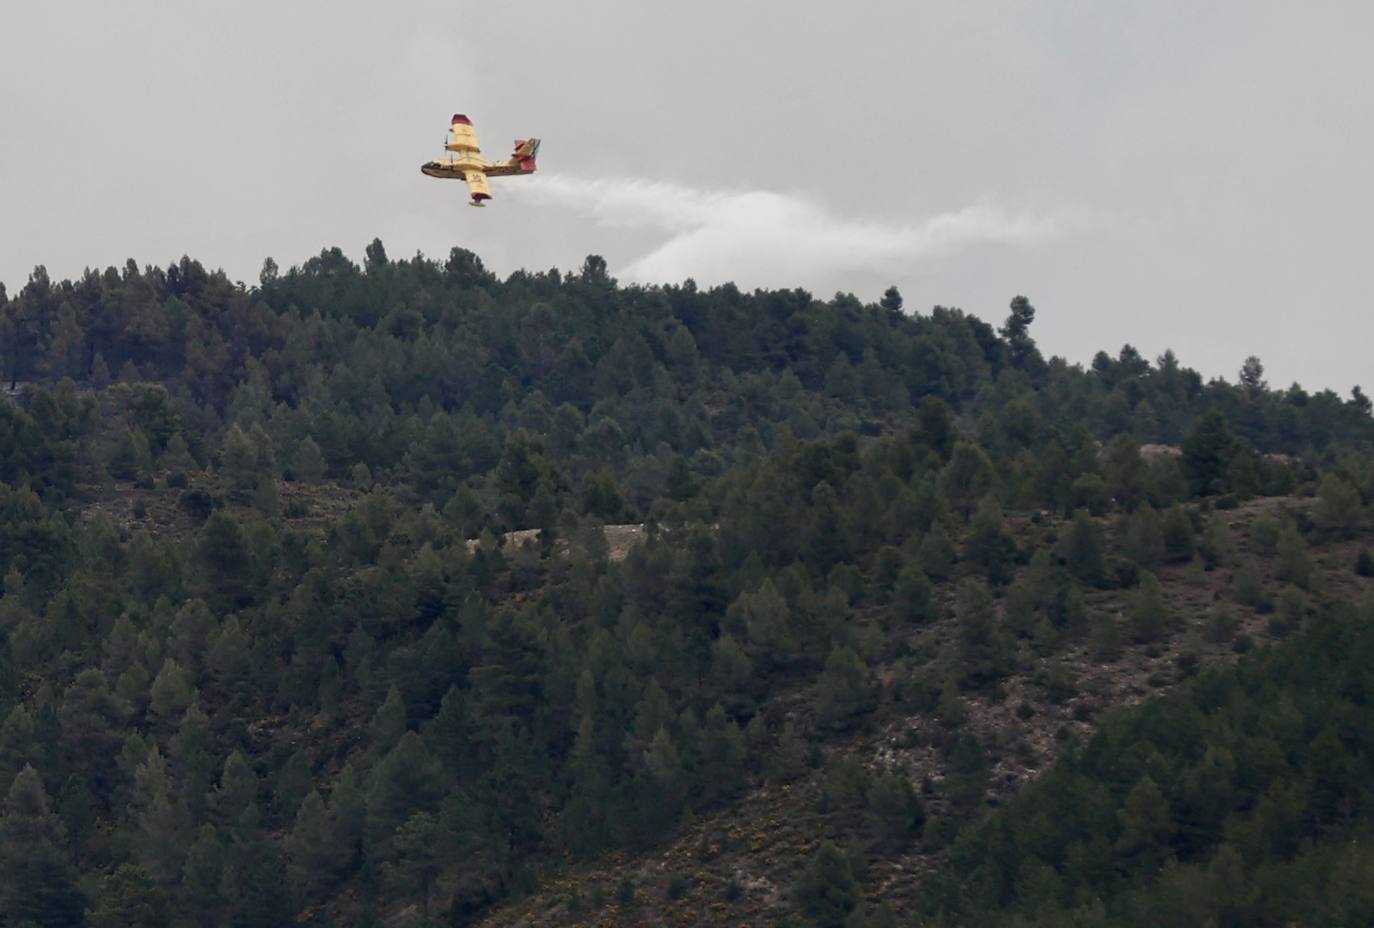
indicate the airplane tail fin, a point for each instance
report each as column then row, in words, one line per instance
column 526, row 150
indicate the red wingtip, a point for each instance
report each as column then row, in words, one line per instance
column 459, row 118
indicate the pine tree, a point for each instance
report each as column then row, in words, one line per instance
column 202, row 876
column 1207, row 454
column 1243, row 474
column 1144, row 537
column 661, row 786
column 1124, row 471
column 348, row 807
column 91, row 717
column 1294, row 564
column 293, row 782
column 986, row 649
column 989, row 546
column 790, row 758
column 826, row 890
column 76, row 808
column 192, row 629
column 824, row 545
column 450, row 736
column 722, row 765
column 19, row 743
column 237, row 792
column 1252, row 377
column 1217, row 546
column 1222, row 626
column 171, row 693
column 968, row 773
column 913, row 596
column 1264, row 534
column 407, row 780
column 967, row 477
column 936, row 554
column 316, row 848
column 896, row 815
column 732, row 677
column 240, row 465
column 1248, row 588
column 768, row 621
column 589, row 808
column 1016, row 331
column 388, row 723
column 1148, row 616
column 224, row 551
column 1179, row 545
column 309, row 465
column 261, row 898
column 1233, row 895
column 177, row 455
column 1338, row 510
column 130, row 899
column 191, row 757
column 228, row 659
column 37, row 884
column 951, row 709
column 844, row 783
column 843, row 691
column 1081, row 547
column 100, row 373
column 1146, row 827
column 1105, row 640
column 160, row 821
column 417, row 857
column 684, row 357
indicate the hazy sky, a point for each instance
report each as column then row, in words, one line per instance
column 1168, row 174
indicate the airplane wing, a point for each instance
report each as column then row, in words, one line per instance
column 478, row 187
column 462, row 137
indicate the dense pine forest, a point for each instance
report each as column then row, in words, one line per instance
column 404, row 594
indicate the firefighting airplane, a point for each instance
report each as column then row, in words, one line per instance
column 469, row 165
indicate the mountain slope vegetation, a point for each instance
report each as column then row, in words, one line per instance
column 260, row 615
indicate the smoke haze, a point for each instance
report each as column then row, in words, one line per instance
column 763, row 238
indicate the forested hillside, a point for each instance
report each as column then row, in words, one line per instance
column 267, row 656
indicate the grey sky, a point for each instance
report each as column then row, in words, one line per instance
column 1169, row 174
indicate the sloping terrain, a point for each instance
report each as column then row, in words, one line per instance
column 773, row 601
column 739, row 863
